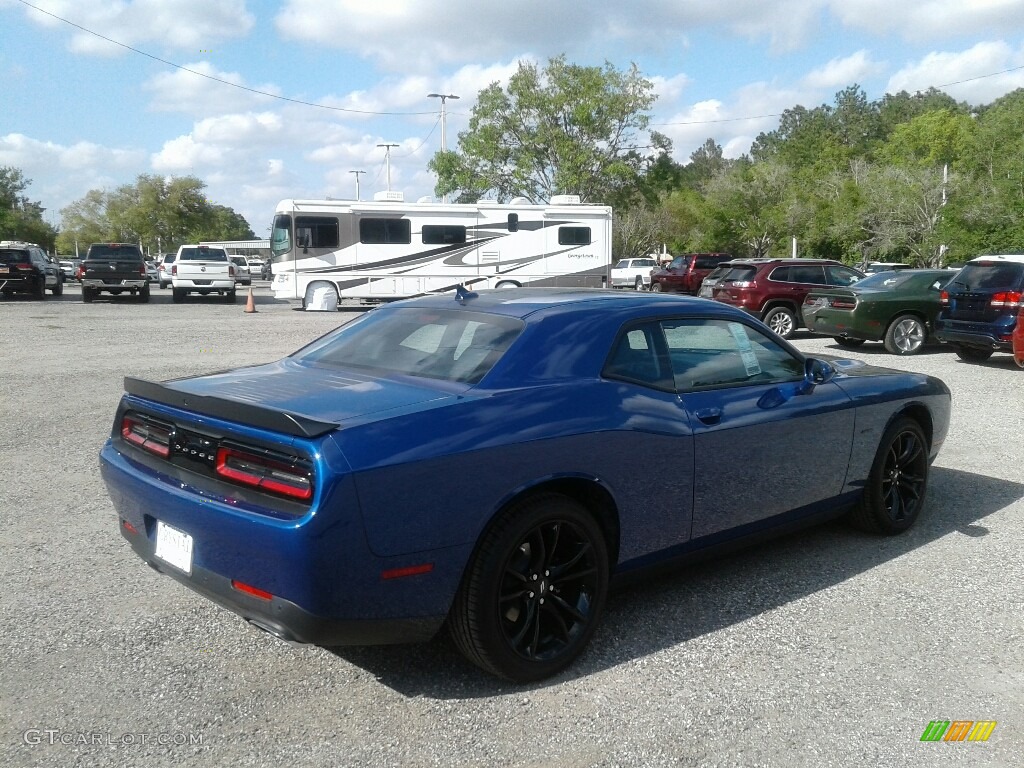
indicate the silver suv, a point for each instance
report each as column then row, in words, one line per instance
column 164, row 269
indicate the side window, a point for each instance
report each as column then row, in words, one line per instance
column 807, row 273
column 443, row 234
column 384, row 231
column 707, row 353
column 841, row 276
column 708, row 262
column 316, row 232
column 780, row 275
column 574, row 235
column 634, row 358
column 513, row 222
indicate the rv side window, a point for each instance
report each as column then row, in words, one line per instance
column 316, row 232
column 378, row 231
column 513, row 222
column 443, row 234
column 574, row 235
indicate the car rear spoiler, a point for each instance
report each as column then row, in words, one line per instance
column 293, row 424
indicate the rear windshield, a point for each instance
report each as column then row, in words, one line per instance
column 203, row 253
column 985, row 276
column 114, row 251
column 740, row 273
column 13, row 256
column 239, row 260
column 886, row 279
column 718, row 271
column 431, row 343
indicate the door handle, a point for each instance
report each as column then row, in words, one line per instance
column 709, row 416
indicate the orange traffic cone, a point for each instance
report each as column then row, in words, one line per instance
column 250, row 303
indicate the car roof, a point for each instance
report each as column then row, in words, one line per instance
column 831, row 262
column 523, row 302
column 1013, row 257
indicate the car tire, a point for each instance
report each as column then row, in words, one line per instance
column 505, row 284
column 905, row 335
column 638, row 285
column 895, row 491
column 178, row 295
column 88, row 295
column 231, row 297
column 781, row 320
column 656, row 287
column 58, row 289
column 163, row 285
column 144, row 293
column 547, row 549
column 39, row 290
column 847, row 342
column 972, row 354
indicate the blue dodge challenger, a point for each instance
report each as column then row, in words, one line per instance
column 483, row 461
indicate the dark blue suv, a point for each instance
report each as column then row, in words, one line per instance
column 980, row 306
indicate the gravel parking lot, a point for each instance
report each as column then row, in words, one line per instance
column 825, row 648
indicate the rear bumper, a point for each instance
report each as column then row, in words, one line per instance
column 974, row 334
column 283, row 618
column 218, row 284
column 105, row 285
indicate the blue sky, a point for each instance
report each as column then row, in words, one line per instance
column 79, row 112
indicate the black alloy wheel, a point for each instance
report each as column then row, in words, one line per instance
column 534, row 592
column 895, row 491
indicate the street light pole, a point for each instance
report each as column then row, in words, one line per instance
column 387, row 160
column 444, row 116
column 444, row 123
column 357, row 182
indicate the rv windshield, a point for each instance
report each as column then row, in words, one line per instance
column 281, row 238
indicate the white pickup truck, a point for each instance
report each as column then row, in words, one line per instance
column 202, row 269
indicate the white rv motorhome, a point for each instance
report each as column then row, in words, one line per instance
column 389, row 249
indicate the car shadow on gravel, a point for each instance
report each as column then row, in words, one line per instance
column 662, row 611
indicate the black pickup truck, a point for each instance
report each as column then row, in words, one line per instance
column 115, row 268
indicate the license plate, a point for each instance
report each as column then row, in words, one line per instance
column 4, row 270
column 174, row 547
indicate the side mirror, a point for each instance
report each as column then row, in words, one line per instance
column 815, row 372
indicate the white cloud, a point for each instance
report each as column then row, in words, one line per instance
column 197, row 92
column 965, row 75
column 841, row 72
column 179, row 24
column 924, row 20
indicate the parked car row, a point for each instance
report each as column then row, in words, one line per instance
column 972, row 309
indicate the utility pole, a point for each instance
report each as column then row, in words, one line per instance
column 387, row 160
column 444, row 123
column 444, row 116
column 357, row 182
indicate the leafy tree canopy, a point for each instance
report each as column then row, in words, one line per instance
column 564, row 129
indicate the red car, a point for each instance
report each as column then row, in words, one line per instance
column 774, row 289
column 685, row 273
column 1018, row 339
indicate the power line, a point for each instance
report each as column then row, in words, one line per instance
column 211, row 77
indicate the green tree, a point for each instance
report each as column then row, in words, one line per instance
column 566, row 129
column 20, row 217
column 161, row 213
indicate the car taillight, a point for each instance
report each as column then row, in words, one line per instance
column 23, row 267
column 142, row 270
column 231, row 270
column 844, row 303
column 264, row 473
column 1009, row 299
column 154, row 438
column 944, row 298
column 174, row 269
